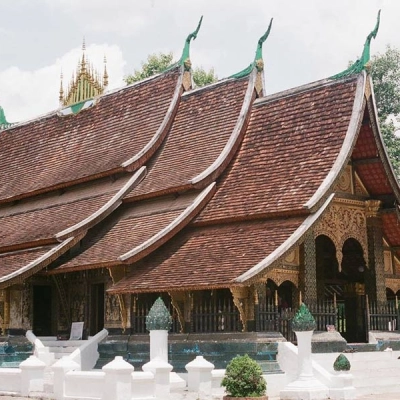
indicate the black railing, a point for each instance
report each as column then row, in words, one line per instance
column 383, row 316
column 270, row 317
column 215, row 316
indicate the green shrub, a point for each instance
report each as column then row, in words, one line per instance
column 243, row 378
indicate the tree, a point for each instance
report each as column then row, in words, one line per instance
column 157, row 63
column 385, row 72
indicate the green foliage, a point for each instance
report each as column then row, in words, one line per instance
column 157, row 63
column 341, row 363
column 201, row 77
column 243, row 378
column 385, row 72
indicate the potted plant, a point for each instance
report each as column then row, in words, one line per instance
column 243, row 380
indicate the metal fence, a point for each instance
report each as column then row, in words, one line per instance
column 215, row 316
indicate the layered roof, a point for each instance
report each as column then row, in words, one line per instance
column 207, row 257
column 205, row 121
column 55, row 151
column 291, row 144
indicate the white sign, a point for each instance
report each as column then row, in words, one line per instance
column 76, row 331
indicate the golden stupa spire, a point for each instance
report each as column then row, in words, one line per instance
column 86, row 84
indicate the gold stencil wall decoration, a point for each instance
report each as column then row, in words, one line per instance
column 341, row 222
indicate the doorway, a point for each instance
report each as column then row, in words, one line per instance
column 42, row 310
column 96, row 309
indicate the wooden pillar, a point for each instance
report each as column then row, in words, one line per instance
column 375, row 275
column 309, row 294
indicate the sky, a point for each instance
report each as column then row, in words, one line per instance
column 309, row 40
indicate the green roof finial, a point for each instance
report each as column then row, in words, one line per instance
column 362, row 62
column 186, row 49
column 3, row 121
column 258, row 55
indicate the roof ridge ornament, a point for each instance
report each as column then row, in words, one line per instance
column 258, row 59
column 4, row 124
column 363, row 63
column 186, row 49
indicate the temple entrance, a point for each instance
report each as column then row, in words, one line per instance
column 96, row 308
column 353, row 270
column 42, row 310
column 343, row 286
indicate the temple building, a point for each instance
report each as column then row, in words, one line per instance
column 232, row 205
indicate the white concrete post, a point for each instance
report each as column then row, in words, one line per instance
column 199, row 375
column 306, row 386
column 118, row 380
column 304, row 355
column 161, row 370
column 159, row 344
column 60, row 369
column 32, row 375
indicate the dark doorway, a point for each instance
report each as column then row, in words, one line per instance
column 42, row 310
column 353, row 271
column 97, row 309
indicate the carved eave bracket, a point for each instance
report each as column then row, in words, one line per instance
column 178, row 302
column 241, row 299
column 116, row 274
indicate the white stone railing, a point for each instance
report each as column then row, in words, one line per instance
column 40, row 350
column 87, row 355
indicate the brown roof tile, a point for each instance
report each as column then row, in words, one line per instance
column 290, row 146
column 42, row 217
column 123, row 232
column 201, row 128
column 12, row 262
column 53, row 150
column 207, row 256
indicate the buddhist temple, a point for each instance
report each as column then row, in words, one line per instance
column 232, row 205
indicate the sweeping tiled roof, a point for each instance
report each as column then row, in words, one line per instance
column 12, row 262
column 291, row 144
column 131, row 228
column 41, row 219
column 203, row 125
column 55, row 150
column 207, row 257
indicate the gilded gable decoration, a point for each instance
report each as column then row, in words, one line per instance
column 342, row 222
column 345, row 182
column 387, row 255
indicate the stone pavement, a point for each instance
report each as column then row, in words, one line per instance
column 194, row 396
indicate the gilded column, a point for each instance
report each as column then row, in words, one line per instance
column 375, row 275
column 310, row 269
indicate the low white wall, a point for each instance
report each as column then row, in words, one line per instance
column 10, row 380
column 84, row 384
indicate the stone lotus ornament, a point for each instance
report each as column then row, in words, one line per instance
column 303, row 321
column 341, row 363
column 158, row 317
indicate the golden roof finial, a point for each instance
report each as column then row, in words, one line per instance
column 105, row 75
column 61, row 88
column 86, row 83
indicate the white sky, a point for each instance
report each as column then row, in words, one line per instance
column 310, row 40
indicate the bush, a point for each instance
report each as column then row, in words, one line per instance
column 243, row 378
